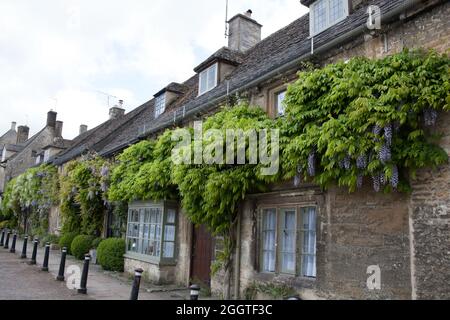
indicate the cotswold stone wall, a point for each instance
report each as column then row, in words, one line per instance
column 430, row 226
column 406, row 235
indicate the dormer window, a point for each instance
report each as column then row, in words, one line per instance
column 208, row 79
column 326, row 13
column 160, row 105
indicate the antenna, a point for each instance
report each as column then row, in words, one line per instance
column 108, row 95
column 226, row 20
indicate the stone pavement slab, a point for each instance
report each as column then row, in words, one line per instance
column 101, row 285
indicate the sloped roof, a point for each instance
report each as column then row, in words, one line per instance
column 224, row 54
column 283, row 48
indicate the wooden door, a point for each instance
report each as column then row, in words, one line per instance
column 202, row 252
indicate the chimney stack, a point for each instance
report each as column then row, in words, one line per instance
column 58, row 129
column 22, row 134
column 117, row 111
column 13, row 126
column 83, row 128
column 245, row 32
column 51, row 119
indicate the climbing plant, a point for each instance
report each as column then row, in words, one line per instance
column 366, row 118
column 144, row 172
column 30, row 196
column 83, row 189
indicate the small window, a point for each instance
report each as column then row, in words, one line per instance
column 288, row 241
column 326, row 13
column 160, row 105
column 208, row 79
column 279, row 103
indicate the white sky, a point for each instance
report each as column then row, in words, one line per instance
column 59, row 54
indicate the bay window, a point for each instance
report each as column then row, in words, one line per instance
column 151, row 231
column 288, row 241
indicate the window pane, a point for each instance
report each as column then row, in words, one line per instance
column 279, row 103
column 269, row 225
column 336, row 10
column 171, row 216
column 169, row 233
column 212, row 74
column 203, row 81
column 320, row 16
column 288, row 240
column 309, row 242
column 168, row 250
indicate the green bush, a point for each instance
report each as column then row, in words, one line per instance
column 51, row 238
column 81, row 246
column 96, row 242
column 66, row 241
column 110, row 254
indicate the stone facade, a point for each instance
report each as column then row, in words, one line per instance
column 406, row 235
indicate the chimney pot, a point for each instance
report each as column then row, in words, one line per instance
column 51, row 119
column 13, row 125
column 83, row 128
column 249, row 13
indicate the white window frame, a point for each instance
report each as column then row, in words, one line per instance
column 159, row 239
column 299, row 240
column 205, row 73
column 160, row 105
column 328, row 24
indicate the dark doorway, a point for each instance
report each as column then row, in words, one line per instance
column 202, row 252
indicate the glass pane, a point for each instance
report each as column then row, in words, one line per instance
column 309, row 266
column 147, row 216
column 135, row 231
column 288, row 262
column 146, row 231
column 152, row 232
column 153, row 216
column 158, row 216
column 203, row 82
column 212, row 74
column 158, row 232
column 169, row 250
column 157, row 248
column 169, row 233
column 336, row 10
column 320, row 16
column 269, row 261
column 280, row 106
column 171, row 216
column 269, row 219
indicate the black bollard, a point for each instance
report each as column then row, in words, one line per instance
column 13, row 245
column 2, row 240
column 136, row 284
column 6, row 246
column 34, row 254
column 46, row 256
column 24, row 248
column 195, row 291
column 84, row 275
column 62, row 265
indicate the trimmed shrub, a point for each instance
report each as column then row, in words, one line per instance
column 66, row 241
column 51, row 238
column 96, row 242
column 110, row 254
column 81, row 246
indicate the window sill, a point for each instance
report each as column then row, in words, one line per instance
column 150, row 260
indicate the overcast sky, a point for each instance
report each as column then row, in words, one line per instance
column 61, row 54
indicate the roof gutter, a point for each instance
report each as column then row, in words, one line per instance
column 292, row 64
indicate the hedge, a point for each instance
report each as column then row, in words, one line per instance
column 81, row 246
column 110, row 254
column 66, row 241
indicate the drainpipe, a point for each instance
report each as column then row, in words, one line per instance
column 237, row 268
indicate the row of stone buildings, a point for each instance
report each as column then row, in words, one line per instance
column 338, row 235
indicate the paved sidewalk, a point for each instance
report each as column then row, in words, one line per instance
column 101, row 285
